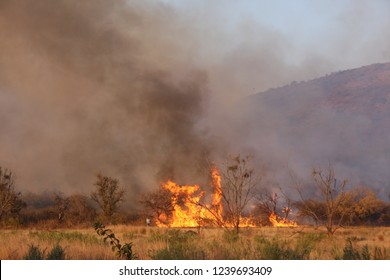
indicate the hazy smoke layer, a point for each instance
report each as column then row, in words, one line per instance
column 141, row 91
column 90, row 86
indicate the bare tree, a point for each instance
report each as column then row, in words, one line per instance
column 108, row 195
column 10, row 202
column 239, row 184
column 330, row 209
column 269, row 206
column 159, row 204
column 267, row 202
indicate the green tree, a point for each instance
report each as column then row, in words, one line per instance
column 108, row 196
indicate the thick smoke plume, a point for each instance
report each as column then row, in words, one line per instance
column 97, row 86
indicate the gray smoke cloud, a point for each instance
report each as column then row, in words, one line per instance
column 142, row 91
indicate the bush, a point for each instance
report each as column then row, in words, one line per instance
column 57, row 253
column 34, row 253
column 351, row 253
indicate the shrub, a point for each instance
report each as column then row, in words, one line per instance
column 351, row 253
column 34, row 253
column 56, row 253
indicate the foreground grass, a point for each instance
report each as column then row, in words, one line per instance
column 210, row 243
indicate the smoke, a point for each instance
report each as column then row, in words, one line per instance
column 144, row 90
column 96, row 86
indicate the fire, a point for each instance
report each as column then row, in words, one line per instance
column 276, row 221
column 190, row 211
column 186, row 209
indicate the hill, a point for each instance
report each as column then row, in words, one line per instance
column 342, row 118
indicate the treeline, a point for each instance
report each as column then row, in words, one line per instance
column 51, row 210
column 355, row 207
column 361, row 207
column 56, row 210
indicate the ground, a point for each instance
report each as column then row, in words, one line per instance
column 208, row 243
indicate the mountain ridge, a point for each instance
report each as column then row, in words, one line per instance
column 343, row 87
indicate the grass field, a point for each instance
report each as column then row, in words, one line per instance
column 210, row 243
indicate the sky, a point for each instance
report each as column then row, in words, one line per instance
column 323, row 36
column 139, row 90
column 319, row 26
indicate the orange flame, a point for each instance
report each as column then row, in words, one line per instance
column 276, row 221
column 186, row 211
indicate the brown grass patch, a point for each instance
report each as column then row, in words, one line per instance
column 211, row 243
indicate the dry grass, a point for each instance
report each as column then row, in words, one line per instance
column 211, row 243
